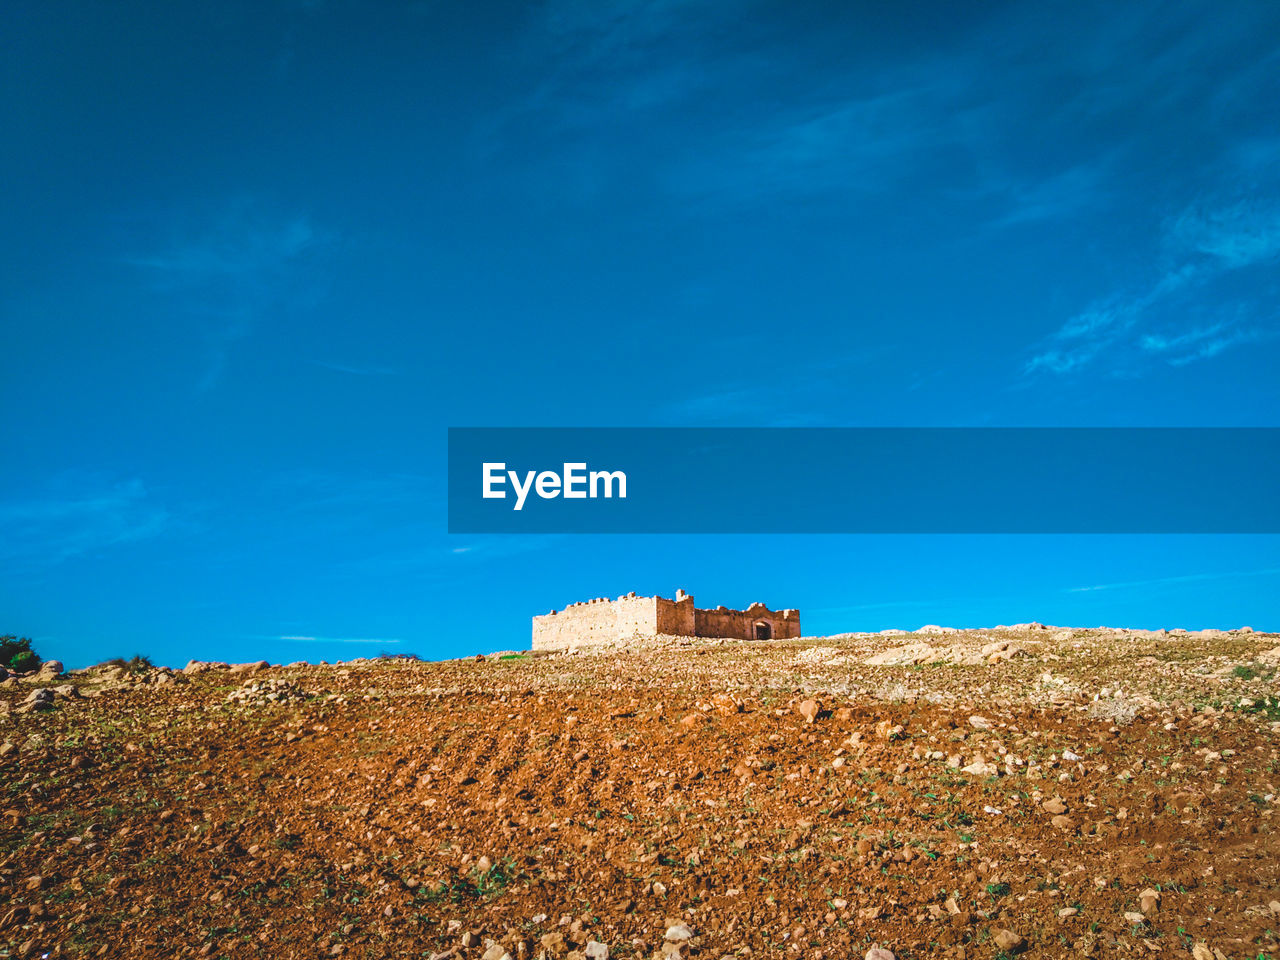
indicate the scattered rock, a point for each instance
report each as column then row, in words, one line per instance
column 809, row 709
column 262, row 693
column 678, row 933
column 910, row 655
column 888, row 730
column 553, row 943
column 49, row 671
column 726, row 704
column 197, row 667
column 42, row 698
column 979, row 767
column 1149, row 899
column 250, row 668
column 1007, row 940
column 1002, row 650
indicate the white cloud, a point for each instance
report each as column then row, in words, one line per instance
column 1238, row 235
column 1184, row 578
column 1206, row 245
column 306, row 639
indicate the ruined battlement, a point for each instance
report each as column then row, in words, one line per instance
column 602, row 621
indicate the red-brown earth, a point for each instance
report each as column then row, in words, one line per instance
column 557, row 806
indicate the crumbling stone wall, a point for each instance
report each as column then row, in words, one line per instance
column 603, row 621
column 596, row 621
column 676, row 617
column 747, row 624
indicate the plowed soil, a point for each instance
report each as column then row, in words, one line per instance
column 529, row 806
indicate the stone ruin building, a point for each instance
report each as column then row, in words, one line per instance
column 603, row 621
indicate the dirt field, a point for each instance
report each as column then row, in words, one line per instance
column 984, row 794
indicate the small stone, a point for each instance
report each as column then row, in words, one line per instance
column 1149, row 900
column 678, row 933
column 1054, row 806
column 595, row 950
column 1007, row 940
column 469, row 939
column 553, row 942
column 878, row 952
column 1201, row 951
column 809, row 709
column 979, row 723
column 1061, row 822
column 1067, row 912
column 888, row 730
column 726, row 704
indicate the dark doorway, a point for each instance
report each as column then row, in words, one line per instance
column 764, row 631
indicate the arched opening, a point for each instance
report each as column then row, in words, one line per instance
column 763, row 630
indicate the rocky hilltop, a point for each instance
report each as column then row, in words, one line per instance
column 936, row 793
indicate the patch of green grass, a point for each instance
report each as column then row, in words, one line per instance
column 1268, row 707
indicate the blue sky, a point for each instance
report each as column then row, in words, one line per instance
column 258, row 256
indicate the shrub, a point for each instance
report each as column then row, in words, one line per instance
column 16, row 653
column 138, row 663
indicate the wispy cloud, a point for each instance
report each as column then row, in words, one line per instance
column 358, row 370
column 63, row 525
column 801, row 394
column 1234, row 235
column 226, row 274
column 1205, row 247
column 1183, row 578
column 306, row 639
column 495, row 546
